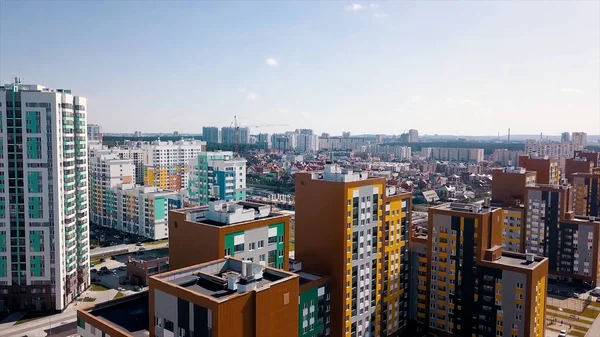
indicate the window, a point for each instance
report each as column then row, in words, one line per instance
column 238, row 248
column 261, row 257
column 261, row 244
column 281, row 239
column 252, row 246
column 272, row 239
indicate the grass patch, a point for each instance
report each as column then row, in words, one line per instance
column 595, row 304
column 89, row 299
column 119, row 295
column 571, row 322
column 156, row 242
column 95, row 261
column 97, row 287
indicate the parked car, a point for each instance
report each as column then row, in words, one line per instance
column 104, row 268
column 137, row 288
column 93, row 270
column 139, row 244
column 102, row 260
column 92, row 265
column 562, row 333
column 575, row 295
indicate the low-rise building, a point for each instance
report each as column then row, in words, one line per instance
column 143, row 264
column 246, row 230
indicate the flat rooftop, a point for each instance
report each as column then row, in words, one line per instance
column 518, row 260
column 465, row 208
column 149, row 255
column 128, row 313
column 242, row 212
column 212, row 279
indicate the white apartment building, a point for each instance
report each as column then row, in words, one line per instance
column 507, row 157
column 132, row 152
column 579, row 140
column 284, row 141
column 44, row 238
column 228, row 135
column 166, row 163
column 139, row 210
column 217, row 176
column 94, row 132
column 307, row 142
column 342, row 143
column 398, row 151
column 560, row 150
column 453, row 154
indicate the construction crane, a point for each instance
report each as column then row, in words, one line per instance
column 237, row 130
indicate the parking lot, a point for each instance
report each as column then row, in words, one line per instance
column 112, row 273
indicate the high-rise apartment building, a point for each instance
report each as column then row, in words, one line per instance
column 559, row 150
column 579, row 140
column 453, row 154
column 509, row 191
column 594, row 157
column 264, row 140
column 577, row 165
column 130, row 151
column 211, row 134
column 565, row 137
column 476, row 289
column 307, row 142
column 506, row 157
column 228, row 135
column 547, row 169
column 397, row 151
column 341, row 143
column 246, row 230
column 413, row 136
column 284, row 142
column 362, row 228
column 217, row 176
column 166, row 163
column 586, row 194
column 570, row 243
column 419, row 293
column 44, row 240
column 94, row 132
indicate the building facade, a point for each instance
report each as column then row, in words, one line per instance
column 228, row 135
column 364, row 232
column 139, row 210
column 211, row 134
column 94, row 132
column 560, row 150
column 245, row 230
column 307, row 142
column 547, row 169
column 453, row 154
column 217, row 176
column 44, row 238
column 579, row 140
column 506, row 157
column 586, row 190
column 419, row 292
column 476, row 289
column 166, row 163
column 283, row 142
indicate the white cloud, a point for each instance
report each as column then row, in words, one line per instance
column 372, row 5
column 242, row 90
column 380, row 15
column 271, row 62
column 570, row 90
column 355, row 7
column 283, row 111
column 416, row 99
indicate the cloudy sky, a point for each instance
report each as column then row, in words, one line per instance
column 463, row 68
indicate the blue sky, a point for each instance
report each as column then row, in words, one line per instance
column 464, row 68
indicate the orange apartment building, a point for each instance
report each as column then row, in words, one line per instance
column 354, row 230
column 577, row 165
column 246, row 230
column 547, row 169
column 476, row 289
column 586, row 200
column 509, row 191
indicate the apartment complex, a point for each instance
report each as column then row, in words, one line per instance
column 594, row 157
column 397, row 151
column 560, row 150
column 307, row 142
column 419, row 293
column 211, row 134
column 506, row 157
column 476, row 289
column 342, row 143
column 166, row 163
column 139, row 210
column 217, row 176
column 44, row 245
column 586, row 191
column 94, row 132
column 284, row 141
column 579, row 140
column 264, row 140
column 453, row 154
column 362, row 228
column 509, row 191
column 245, row 230
column 228, row 135
column 577, row 165
column 570, row 243
column 546, row 168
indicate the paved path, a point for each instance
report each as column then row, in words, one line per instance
column 129, row 247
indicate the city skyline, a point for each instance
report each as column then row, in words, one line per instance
column 485, row 64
